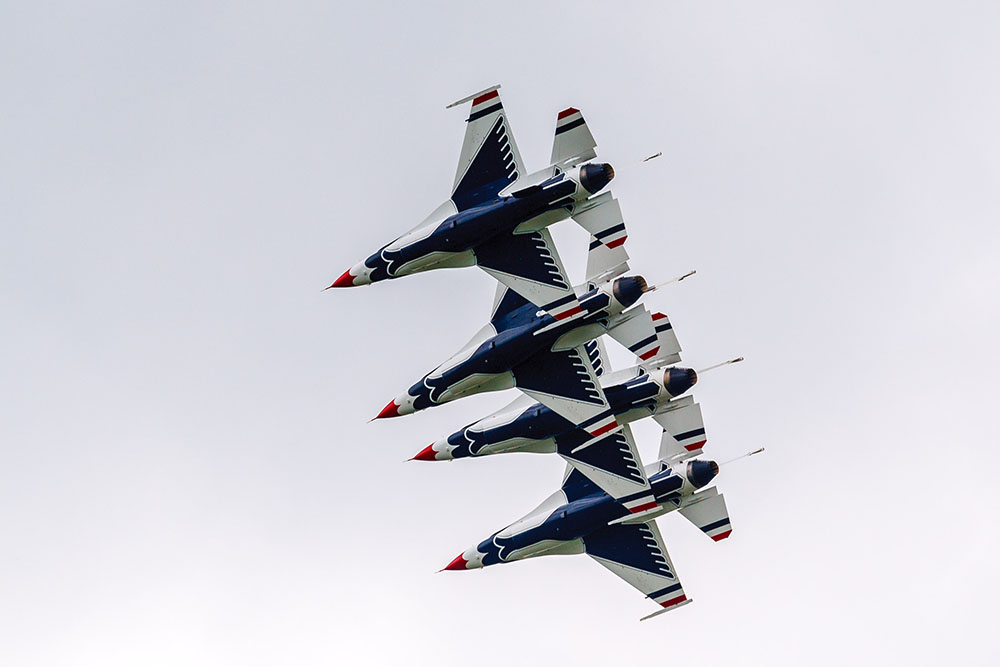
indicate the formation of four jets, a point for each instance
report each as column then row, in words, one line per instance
column 544, row 337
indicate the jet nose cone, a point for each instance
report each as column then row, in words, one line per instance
column 397, row 407
column 426, row 454
column 390, row 410
column 357, row 275
column 346, row 280
column 471, row 559
column 439, row 450
column 458, row 564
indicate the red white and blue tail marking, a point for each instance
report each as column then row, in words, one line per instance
column 683, row 430
column 707, row 510
column 573, row 143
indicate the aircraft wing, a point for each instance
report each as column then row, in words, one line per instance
column 612, row 463
column 566, row 382
column 598, row 356
column 635, row 552
column 528, row 264
column 490, row 160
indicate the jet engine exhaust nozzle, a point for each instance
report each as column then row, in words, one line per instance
column 594, row 177
column 678, row 380
column 628, row 290
column 700, row 473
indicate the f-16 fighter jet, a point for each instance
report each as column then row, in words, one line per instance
column 544, row 351
column 594, row 518
column 497, row 214
column 632, row 393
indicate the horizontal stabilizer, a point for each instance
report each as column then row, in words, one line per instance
column 604, row 221
column 528, row 264
column 637, row 334
column 707, row 510
column 683, row 430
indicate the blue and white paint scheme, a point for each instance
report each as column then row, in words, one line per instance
column 542, row 352
column 591, row 517
column 497, row 214
column 527, row 426
column 644, row 390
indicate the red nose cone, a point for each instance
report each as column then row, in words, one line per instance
column 426, row 454
column 457, row 564
column 391, row 410
column 346, row 280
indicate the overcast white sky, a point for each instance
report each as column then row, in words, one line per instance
column 186, row 472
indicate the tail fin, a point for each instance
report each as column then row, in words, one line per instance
column 573, row 141
column 604, row 263
column 683, row 430
column 606, row 258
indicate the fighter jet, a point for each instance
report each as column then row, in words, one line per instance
column 633, row 393
column 602, row 520
column 544, row 352
column 497, row 214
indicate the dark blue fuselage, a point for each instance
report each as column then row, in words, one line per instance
column 589, row 509
column 475, row 226
column 522, row 334
column 539, row 422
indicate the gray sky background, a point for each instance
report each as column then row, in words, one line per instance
column 186, row 472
